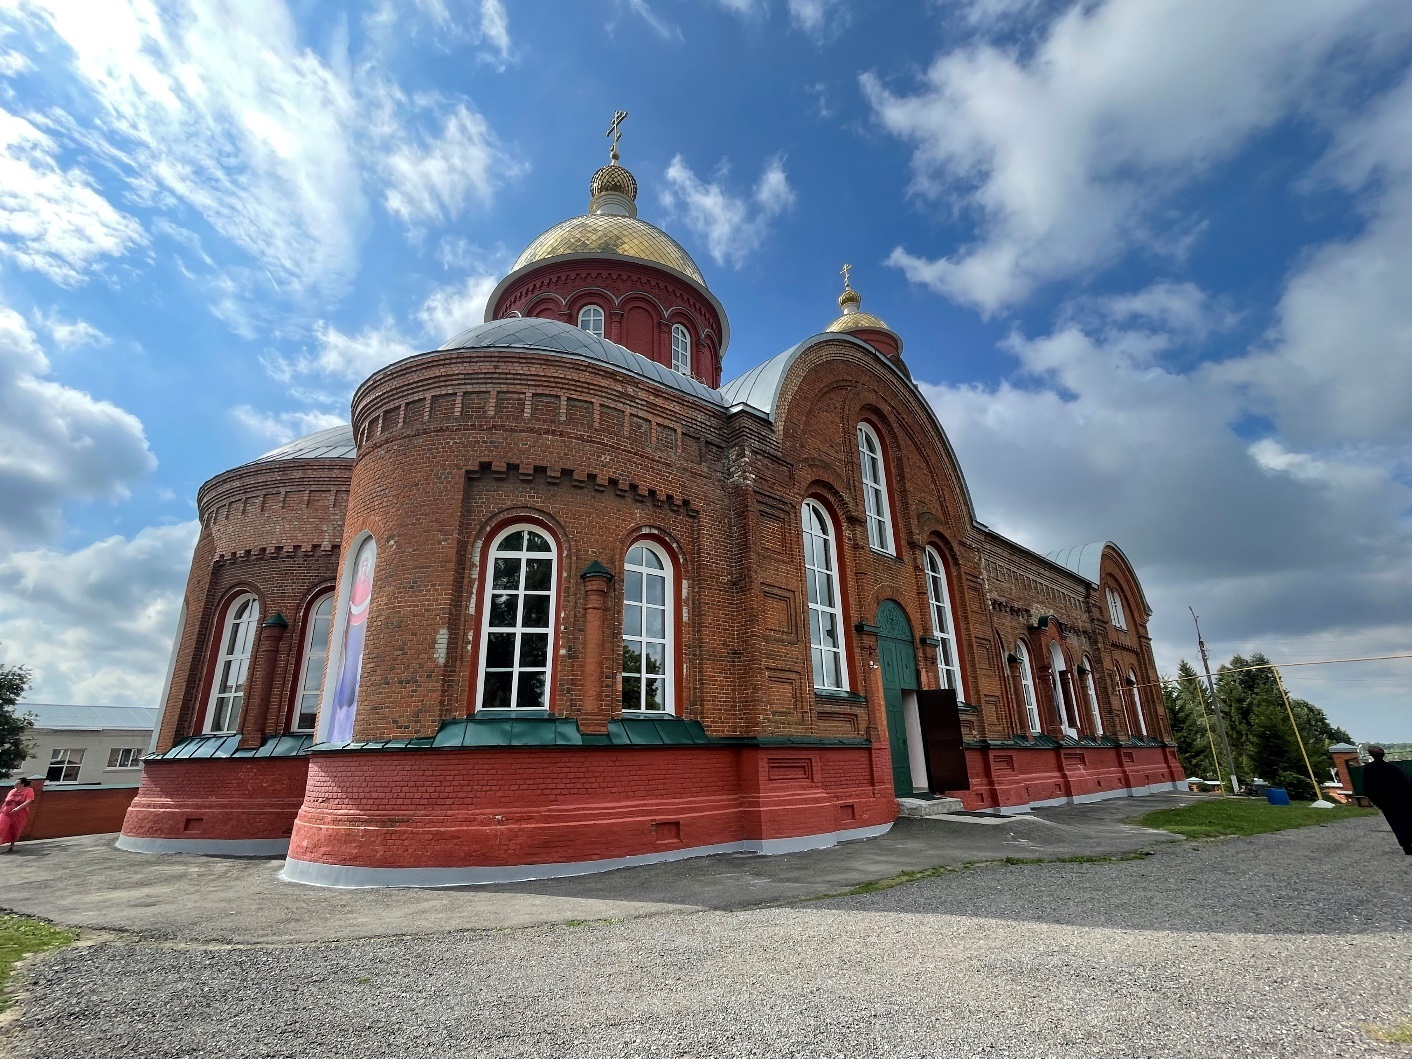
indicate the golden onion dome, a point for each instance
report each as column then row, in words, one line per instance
column 613, row 178
column 607, row 233
column 854, row 319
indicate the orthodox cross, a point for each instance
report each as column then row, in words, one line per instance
column 845, row 270
column 619, row 116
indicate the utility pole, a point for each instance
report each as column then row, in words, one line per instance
column 1216, row 705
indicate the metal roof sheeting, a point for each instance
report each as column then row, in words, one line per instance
column 335, row 443
column 90, row 718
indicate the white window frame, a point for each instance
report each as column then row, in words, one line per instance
column 1137, row 703
column 1057, row 667
column 519, row 629
column 1022, row 652
column 681, row 349
column 1091, row 691
column 601, row 321
column 665, row 641
column 313, row 648
column 875, row 498
column 235, row 647
column 948, row 658
column 130, row 754
column 1115, row 610
column 820, row 612
column 66, row 758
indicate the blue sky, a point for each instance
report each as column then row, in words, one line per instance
column 1150, row 260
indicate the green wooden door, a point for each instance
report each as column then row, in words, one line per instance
column 899, row 673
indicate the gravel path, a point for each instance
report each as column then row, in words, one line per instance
column 1279, row 945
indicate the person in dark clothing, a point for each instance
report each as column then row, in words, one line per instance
column 1387, row 787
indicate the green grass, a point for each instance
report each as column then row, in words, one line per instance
column 19, row 937
column 1401, row 1034
column 1243, row 816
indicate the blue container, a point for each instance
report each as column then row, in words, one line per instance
column 1277, row 796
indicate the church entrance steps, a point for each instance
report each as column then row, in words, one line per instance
column 921, row 808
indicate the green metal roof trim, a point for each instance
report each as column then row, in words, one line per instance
column 502, row 730
column 287, row 744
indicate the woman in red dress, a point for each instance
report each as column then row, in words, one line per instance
column 15, row 812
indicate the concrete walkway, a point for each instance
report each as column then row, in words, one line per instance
column 85, row 882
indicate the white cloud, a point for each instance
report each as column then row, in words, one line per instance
column 13, row 63
column 280, row 427
column 1067, row 153
column 1168, row 308
column 56, row 443
column 431, row 180
column 814, row 16
column 643, row 10
column 450, row 310
column 355, row 356
column 495, row 28
column 72, row 334
column 96, row 624
column 732, row 226
column 53, row 220
column 1337, row 366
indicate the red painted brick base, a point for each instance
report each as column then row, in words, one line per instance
column 217, row 799
column 492, row 807
column 1019, row 777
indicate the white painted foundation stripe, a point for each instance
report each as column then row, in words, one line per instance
column 1096, row 796
column 206, row 847
column 351, row 877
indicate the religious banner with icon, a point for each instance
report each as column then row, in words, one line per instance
column 350, row 668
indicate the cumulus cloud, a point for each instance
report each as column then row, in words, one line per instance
column 732, row 226
column 56, row 443
column 96, row 624
column 72, row 334
column 1068, row 153
column 449, row 310
column 53, row 220
column 280, row 427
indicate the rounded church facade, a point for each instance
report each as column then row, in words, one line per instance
column 593, row 609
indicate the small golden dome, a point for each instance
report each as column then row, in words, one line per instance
column 849, row 297
column 853, row 319
column 606, row 233
column 613, row 178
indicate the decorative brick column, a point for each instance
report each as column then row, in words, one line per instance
column 272, row 630
column 597, row 579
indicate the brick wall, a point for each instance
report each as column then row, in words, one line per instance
column 218, row 799
column 58, row 812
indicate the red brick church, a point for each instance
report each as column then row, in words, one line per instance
column 559, row 601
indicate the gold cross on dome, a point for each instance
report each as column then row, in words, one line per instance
column 619, row 116
column 844, row 271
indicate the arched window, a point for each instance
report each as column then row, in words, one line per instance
column 681, row 349
column 1115, row 610
column 647, row 631
column 1137, row 703
column 874, row 489
column 591, row 320
column 943, row 624
column 1022, row 652
column 311, row 676
column 1057, row 666
column 1091, row 693
column 233, row 664
column 825, row 613
column 517, row 636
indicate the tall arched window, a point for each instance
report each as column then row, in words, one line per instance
column 943, row 624
column 1057, row 667
column 591, row 320
column 681, row 349
column 825, row 612
column 1116, row 613
column 311, row 675
column 1022, row 652
column 874, row 489
column 1091, row 693
column 233, row 664
column 517, row 636
column 647, row 630
column 1137, row 703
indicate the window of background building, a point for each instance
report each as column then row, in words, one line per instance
column 128, row 757
column 647, row 631
column 874, row 489
column 64, row 766
column 517, row 634
column 311, row 679
column 825, row 616
column 943, row 623
column 228, row 688
column 591, row 320
column 1022, row 652
column 681, row 349
column 1091, row 693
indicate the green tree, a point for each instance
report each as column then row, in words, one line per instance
column 14, row 727
column 1188, row 710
